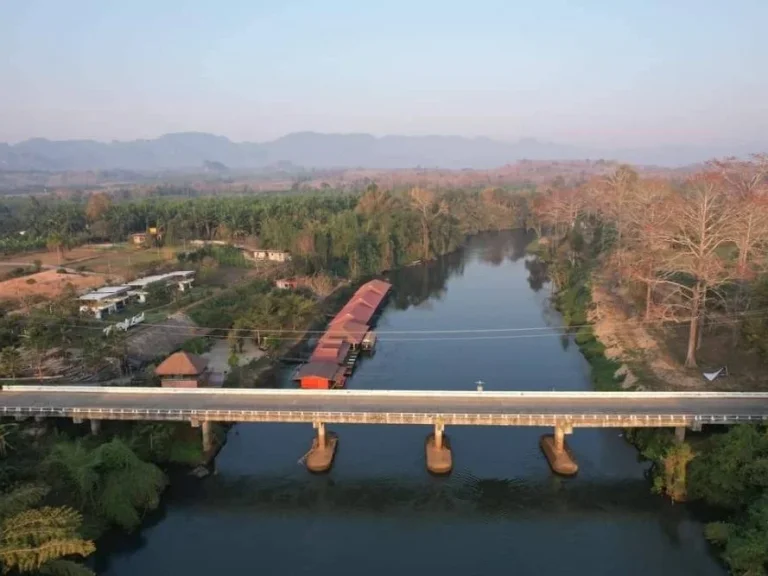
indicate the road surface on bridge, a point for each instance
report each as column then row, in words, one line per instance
column 618, row 409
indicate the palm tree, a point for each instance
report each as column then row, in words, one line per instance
column 36, row 539
column 56, row 242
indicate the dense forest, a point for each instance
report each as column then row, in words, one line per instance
column 347, row 234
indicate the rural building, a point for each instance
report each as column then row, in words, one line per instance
column 287, row 283
column 183, row 370
column 106, row 300
column 209, row 243
column 320, row 375
column 348, row 333
column 142, row 237
column 182, row 280
column 139, row 238
column 270, row 255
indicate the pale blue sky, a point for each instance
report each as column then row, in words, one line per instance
column 597, row 72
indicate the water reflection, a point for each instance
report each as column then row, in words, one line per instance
column 537, row 273
column 417, row 284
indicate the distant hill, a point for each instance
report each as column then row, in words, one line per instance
column 191, row 150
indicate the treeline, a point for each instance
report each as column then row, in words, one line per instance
column 690, row 250
column 350, row 235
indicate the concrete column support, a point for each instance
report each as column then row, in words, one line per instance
column 559, row 456
column 77, row 420
column 559, row 439
column 321, row 437
column 439, row 430
column 95, row 427
column 680, row 433
column 207, row 430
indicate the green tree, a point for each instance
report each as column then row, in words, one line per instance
column 732, row 469
column 744, row 544
column 56, row 242
column 10, row 362
column 111, row 480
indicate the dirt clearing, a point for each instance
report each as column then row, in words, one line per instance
column 47, row 284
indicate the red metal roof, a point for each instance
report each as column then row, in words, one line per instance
column 317, row 369
column 351, row 331
column 334, row 350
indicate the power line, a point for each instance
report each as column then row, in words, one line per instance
column 553, row 332
column 756, row 312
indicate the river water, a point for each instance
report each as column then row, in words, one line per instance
column 379, row 513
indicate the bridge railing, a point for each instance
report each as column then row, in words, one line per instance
column 392, row 417
column 458, row 394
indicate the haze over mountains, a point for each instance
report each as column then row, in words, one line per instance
column 197, row 151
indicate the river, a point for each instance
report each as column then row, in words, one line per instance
column 379, row 513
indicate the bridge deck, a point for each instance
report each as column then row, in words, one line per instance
column 592, row 409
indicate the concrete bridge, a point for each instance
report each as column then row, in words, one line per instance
column 562, row 411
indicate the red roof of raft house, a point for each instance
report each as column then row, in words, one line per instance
column 365, row 302
column 348, row 328
column 330, row 350
column 322, row 375
column 349, row 331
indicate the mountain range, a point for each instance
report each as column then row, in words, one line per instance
column 200, row 151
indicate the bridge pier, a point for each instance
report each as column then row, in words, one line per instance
column 77, row 420
column 438, row 451
column 557, row 451
column 206, row 427
column 95, row 427
column 680, row 434
column 323, row 450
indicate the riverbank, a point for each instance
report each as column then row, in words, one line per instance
column 717, row 470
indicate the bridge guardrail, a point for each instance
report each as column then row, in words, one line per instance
column 586, row 419
column 459, row 394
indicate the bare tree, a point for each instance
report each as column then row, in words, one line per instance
column 611, row 194
column 699, row 226
column 747, row 184
column 425, row 202
column 648, row 215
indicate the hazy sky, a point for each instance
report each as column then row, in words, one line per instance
column 620, row 72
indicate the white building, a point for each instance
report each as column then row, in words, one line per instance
column 270, row 255
column 106, row 300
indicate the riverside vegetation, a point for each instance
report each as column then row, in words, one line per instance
column 643, row 237
column 687, row 253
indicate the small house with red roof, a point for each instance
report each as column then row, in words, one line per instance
column 321, row 375
column 183, row 370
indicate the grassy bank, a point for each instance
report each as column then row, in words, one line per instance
column 573, row 299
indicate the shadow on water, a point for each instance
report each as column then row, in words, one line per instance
column 461, row 496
